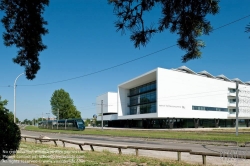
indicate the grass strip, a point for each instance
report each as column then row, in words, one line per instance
column 190, row 135
column 48, row 155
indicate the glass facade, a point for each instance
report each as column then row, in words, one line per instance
column 231, row 100
column 133, row 110
column 232, row 111
column 148, row 108
column 209, row 108
column 142, row 89
column 177, row 123
column 232, row 90
column 143, row 99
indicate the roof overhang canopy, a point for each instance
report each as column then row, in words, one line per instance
column 142, row 79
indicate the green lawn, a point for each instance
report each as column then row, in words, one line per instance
column 48, row 155
column 194, row 135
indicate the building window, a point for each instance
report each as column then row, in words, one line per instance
column 147, row 108
column 231, row 111
column 143, row 89
column 232, row 90
column 133, row 110
column 143, row 97
column 231, row 100
column 209, row 108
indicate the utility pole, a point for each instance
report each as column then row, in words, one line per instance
column 237, row 107
column 102, row 112
column 57, row 117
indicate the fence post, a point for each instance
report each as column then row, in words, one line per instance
column 55, row 142
column 204, row 162
column 81, row 147
column 120, row 150
column 137, row 152
column 179, row 156
column 91, row 146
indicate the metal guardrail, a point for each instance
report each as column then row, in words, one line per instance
column 247, row 144
column 205, row 154
column 120, row 147
column 40, row 139
column 71, row 142
column 160, row 149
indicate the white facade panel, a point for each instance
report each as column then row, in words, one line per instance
column 177, row 92
column 244, row 100
column 123, row 102
column 107, row 117
column 109, row 103
column 138, row 116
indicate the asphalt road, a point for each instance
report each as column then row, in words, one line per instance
column 141, row 142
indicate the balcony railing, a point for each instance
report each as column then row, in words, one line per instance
column 231, row 104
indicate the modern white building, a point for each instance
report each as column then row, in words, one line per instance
column 176, row 98
column 107, row 103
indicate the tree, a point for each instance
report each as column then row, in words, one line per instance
column 187, row 18
column 24, row 23
column 87, row 122
column 10, row 135
column 11, row 117
column 61, row 101
column 27, row 122
column 94, row 121
column 40, row 119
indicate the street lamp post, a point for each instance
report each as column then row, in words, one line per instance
column 57, row 117
column 102, row 113
column 15, row 97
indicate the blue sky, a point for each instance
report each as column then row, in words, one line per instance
column 82, row 39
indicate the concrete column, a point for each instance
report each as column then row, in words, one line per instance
column 196, row 123
column 217, row 121
column 247, row 122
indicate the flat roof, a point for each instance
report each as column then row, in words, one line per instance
column 151, row 76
